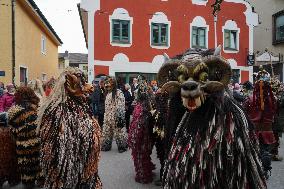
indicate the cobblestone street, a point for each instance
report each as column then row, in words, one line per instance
column 117, row 171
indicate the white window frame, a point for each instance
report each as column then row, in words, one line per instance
column 199, row 22
column 160, row 18
column 121, row 14
column 43, row 45
column 232, row 26
column 42, row 79
column 199, row 2
column 27, row 69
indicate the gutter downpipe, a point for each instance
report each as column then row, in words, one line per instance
column 13, row 42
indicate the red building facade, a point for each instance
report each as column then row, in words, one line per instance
column 131, row 36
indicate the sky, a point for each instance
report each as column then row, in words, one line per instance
column 64, row 17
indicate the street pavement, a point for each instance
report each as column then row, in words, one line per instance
column 117, row 171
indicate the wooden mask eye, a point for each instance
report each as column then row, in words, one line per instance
column 203, row 76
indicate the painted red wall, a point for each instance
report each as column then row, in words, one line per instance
column 181, row 13
column 101, row 70
column 245, row 76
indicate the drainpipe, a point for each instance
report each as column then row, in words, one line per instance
column 215, row 30
column 13, row 42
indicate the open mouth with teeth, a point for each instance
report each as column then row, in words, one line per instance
column 192, row 103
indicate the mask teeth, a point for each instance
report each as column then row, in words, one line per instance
column 202, row 98
column 198, row 101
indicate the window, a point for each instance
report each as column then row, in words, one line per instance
column 43, row 77
column 159, row 34
column 43, row 44
column 23, row 75
column 230, row 40
column 278, row 36
column 199, row 2
column 120, row 31
column 231, row 37
column 198, row 37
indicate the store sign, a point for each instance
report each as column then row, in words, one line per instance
column 266, row 57
column 250, row 59
column 2, row 73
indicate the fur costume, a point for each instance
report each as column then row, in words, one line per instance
column 22, row 119
column 213, row 145
column 140, row 135
column 70, row 135
column 261, row 109
column 160, row 116
column 8, row 158
column 114, row 117
column 36, row 86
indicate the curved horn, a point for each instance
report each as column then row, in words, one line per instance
column 167, row 58
column 171, row 87
column 218, row 51
column 165, row 71
column 219, row 69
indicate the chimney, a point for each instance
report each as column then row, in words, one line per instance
column 66, row 55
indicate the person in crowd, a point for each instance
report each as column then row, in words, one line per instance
column 140, row 135
column 134, row 86
column 48, row 86
column 114, row 117
column 261, row 109
column 37, row 86
column 2, row 85
column 247, row 89
column 9, row 98
column 154, row 86
column 212, row 147
column 2, row 109
column 237, row 94
column 278, row 123
column 98, row 101
column 8, row 157
column 160, row 115
column 128, row 104
column 70, row 136
column 22, row 118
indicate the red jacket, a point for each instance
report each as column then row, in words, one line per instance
column 2, row 104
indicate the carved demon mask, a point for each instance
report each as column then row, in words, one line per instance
column 143, row 89
column 110, row 83
column 196, row 74
column 76, row 84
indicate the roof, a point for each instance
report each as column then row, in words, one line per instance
column 42, row 17
column 74, row 57
column 84, row 22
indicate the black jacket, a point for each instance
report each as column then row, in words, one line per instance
column 98, row 101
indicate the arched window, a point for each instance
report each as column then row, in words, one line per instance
column 231, row 34
column 199, row 2
column 160, row 31
column 199, row 33
column 120, row 28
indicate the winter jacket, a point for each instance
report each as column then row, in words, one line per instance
column 128, row 101
column 2, row 104
column 9, row 100
column 98, row 101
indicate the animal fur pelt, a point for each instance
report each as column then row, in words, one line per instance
column 23, row 123
column 212, row 148
column 70, row 146
column 141, row 143
column 8, row 158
